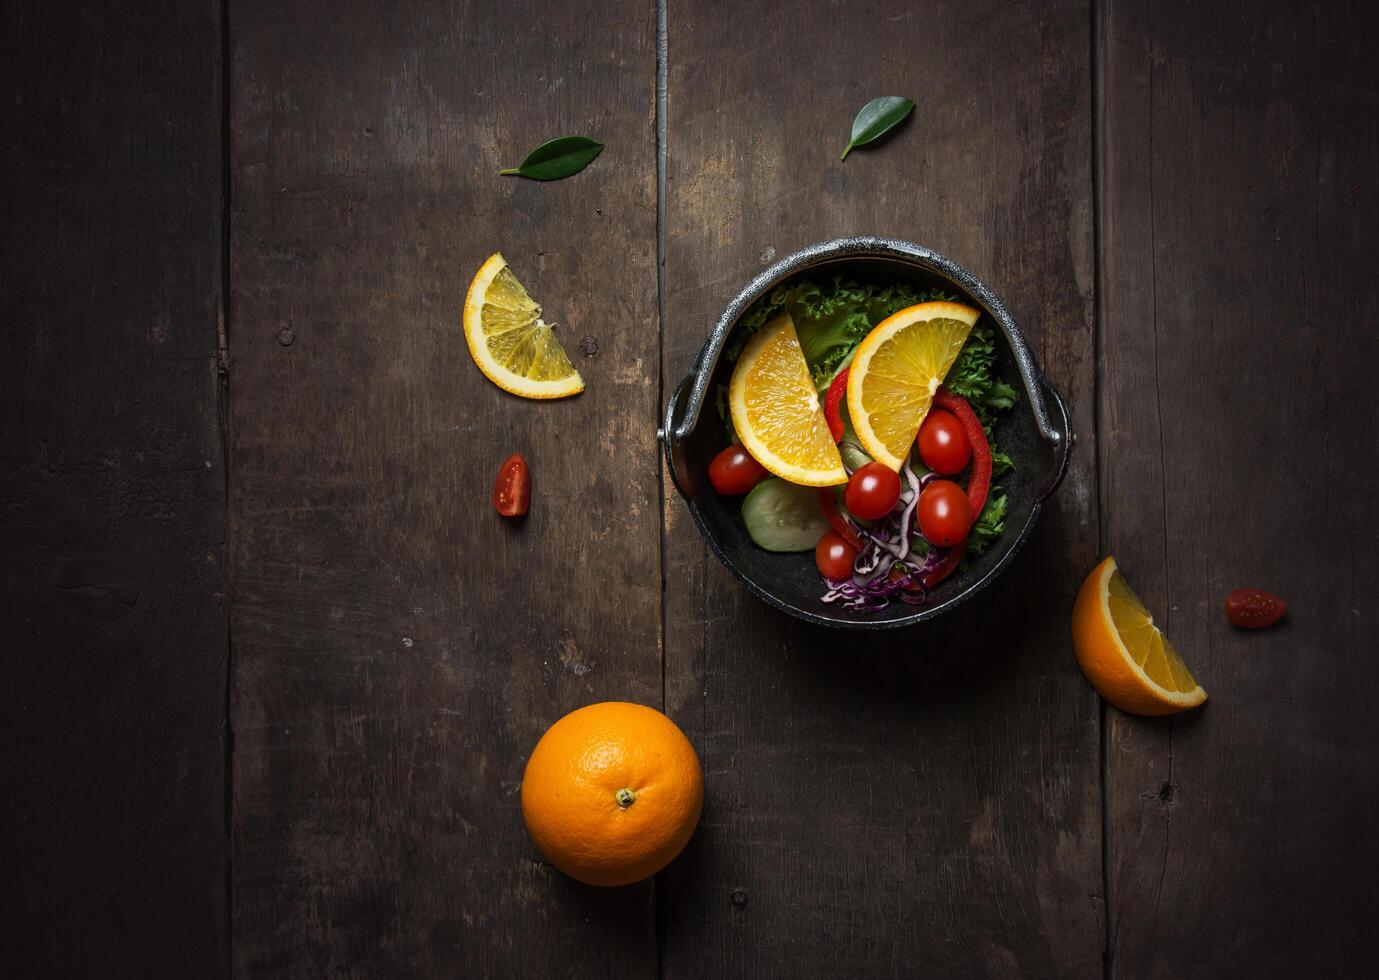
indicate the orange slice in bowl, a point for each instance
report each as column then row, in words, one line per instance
column 776, row 410
column 896, row 371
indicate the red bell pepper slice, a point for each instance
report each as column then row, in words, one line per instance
column 914, row 586
column 833, row 411
column 945, row 567
column 980, row 483
column 829, row 505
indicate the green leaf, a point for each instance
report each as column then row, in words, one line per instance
column 831, row 317
column 990, row 525
column 876, row 118
column 563, row 156
column 1001, row 396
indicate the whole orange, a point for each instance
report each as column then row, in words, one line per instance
column 612, row 793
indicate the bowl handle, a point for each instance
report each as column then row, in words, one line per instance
column 670, row 437
column 1058, row 429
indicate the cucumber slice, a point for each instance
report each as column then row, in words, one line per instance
column 852, row 454
column 783, row 516
column 851, row 447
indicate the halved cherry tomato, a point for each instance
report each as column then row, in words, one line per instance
column 1254, row 609
column 833, row 402
column 944, row 514
column 943, row 443
column 828, row 503
column 512, row 490
column 734, row 472
column 980, row 482
column 872, row 491
column 834, row 556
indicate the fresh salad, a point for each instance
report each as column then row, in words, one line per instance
column 860, row 418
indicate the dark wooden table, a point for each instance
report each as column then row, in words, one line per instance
column 272, row 667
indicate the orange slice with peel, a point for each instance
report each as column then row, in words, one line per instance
column 513, row 347
column 896, row 370
column 1125, row 656
column 776, row 411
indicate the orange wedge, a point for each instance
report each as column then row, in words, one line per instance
column 1125, row 656
column 511, row 344
column 897, row 369
column 776, row 410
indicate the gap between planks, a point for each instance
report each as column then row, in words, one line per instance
column 1096, row 44
column 661, row 102
column 223, row 393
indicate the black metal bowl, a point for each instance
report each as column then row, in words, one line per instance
column 1035, row 433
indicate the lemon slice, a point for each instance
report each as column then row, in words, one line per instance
column 511, row 344
column 776, row 410
column 897, row 369
column 1126, row 657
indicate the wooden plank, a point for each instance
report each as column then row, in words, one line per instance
column 924, row 802
column 398, row 648
column 1239, row 188
column 112, row 492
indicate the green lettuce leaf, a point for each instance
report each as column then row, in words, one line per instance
column 831, row 318
column 989, row 525
column 971, row 377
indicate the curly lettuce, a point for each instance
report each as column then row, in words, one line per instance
column 831, row 318
column 971, row 377
column 989, row 526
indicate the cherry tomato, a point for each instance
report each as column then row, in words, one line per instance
column 872, row 491
column 734, row 472
column 944, row 514
column 1254, row 609
column 943, row 444
column 834, row 556
column 512, row 490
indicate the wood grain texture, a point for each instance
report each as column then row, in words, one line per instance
column 925, row 802
column 399, row 648
column 112, row 492
column 1239, row 192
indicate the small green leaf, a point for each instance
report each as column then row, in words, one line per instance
column 876, row 118
column 563, row 156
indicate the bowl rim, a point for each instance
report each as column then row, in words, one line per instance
column 682, row 416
